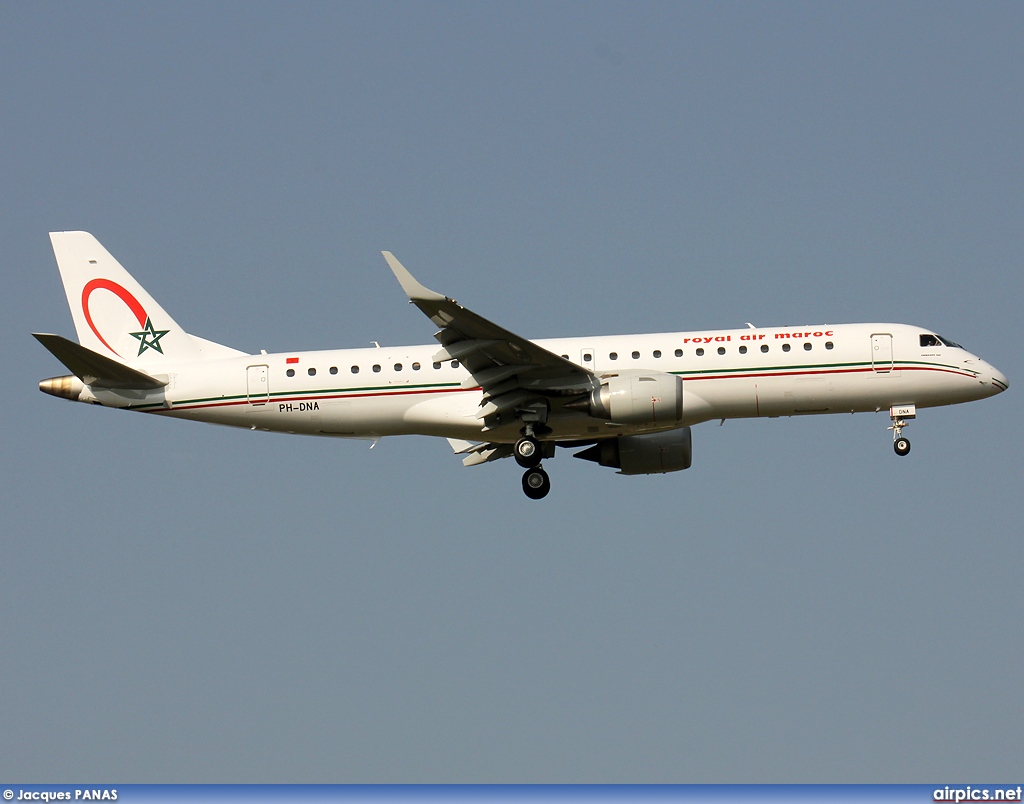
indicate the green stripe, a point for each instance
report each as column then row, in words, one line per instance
column 303, row 392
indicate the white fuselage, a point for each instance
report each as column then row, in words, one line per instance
column 739, row 373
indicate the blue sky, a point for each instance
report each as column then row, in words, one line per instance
column 194, row 604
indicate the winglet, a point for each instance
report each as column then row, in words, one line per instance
column 413, row 289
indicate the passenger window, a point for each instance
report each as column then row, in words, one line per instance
column 743, row 350
column 721, row 350
column 355, row 369
column 679, row 352
column 657, row 352
column 415, row 366
column 807, row 346
column 613, row 355
column 398, row 366
column 334, row 369
column 455, row 364
column 636, row 355
column 311, row 372
column 376, row 368
column 828, row 344
column 764, row 347
column 290, row 372
column 700, row 353
column 565, row 357
column 786, row 347
column 437, row 365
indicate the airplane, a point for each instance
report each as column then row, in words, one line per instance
column 624, row 401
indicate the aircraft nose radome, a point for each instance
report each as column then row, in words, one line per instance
column 999, row 381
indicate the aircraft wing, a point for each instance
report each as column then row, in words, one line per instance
column 514, row 372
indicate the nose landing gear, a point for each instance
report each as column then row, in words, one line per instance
column 899, row 415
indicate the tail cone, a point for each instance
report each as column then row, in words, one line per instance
column 69, row 387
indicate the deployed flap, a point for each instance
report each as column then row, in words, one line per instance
column 501, row 362
column 460, row 446
column 490, row 452
column 477, row 453
column 96, row 369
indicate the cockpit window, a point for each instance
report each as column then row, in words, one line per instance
column 938, row 340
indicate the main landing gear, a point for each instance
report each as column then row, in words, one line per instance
column 899, row 415
column 536, row 483
column 528, row 453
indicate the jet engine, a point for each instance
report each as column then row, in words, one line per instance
column 649, row 454
column 636, row 397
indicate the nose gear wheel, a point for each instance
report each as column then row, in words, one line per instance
column 900, row 444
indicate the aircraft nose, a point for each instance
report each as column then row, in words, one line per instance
column 998, row 380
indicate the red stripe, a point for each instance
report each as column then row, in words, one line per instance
column 321, row 397
column 292, row 360
column 311, row 398
column 829, row 371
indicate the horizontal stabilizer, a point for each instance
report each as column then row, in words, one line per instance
column 96, row 369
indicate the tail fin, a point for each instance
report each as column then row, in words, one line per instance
column 113, row 313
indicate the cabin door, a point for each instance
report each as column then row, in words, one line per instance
column 257, row 385
column 881, row 352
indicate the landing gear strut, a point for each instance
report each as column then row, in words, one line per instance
column 529, row 452
column 536, row 483
column 899, row 415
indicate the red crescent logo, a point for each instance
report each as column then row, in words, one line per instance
column 105, row 284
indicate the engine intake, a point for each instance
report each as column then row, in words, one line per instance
column 638, row 397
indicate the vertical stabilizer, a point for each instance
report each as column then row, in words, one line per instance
column 113, row 314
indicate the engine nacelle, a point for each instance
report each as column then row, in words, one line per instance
column 648, row 454
column 638, row 397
